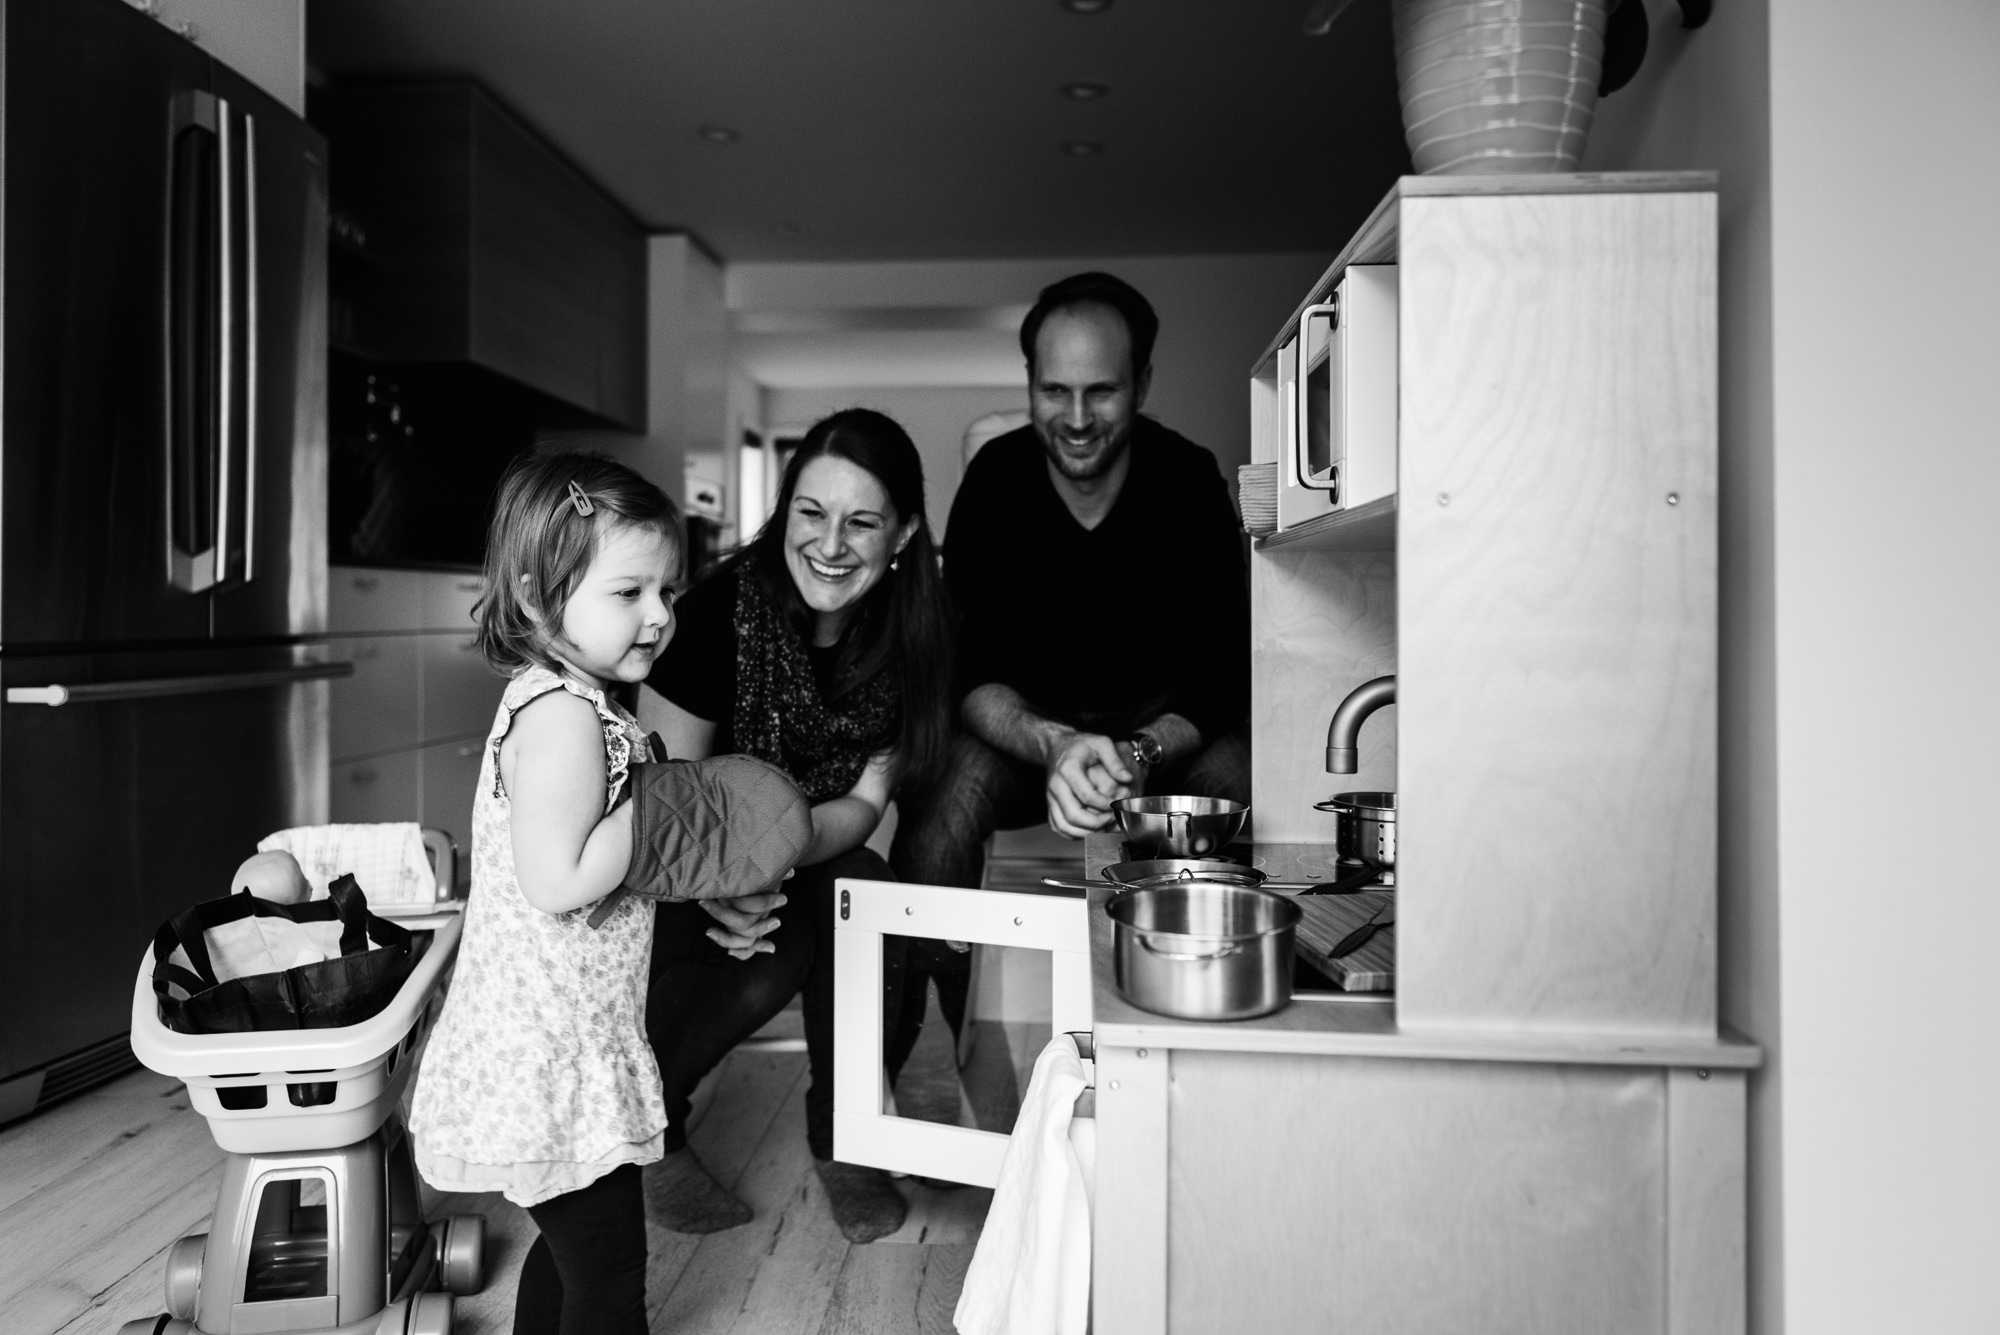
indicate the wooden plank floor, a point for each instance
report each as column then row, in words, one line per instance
column 94, row 1191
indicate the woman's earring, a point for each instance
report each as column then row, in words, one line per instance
column 893, row 560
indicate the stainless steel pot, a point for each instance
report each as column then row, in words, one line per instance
column 1366, row 830
column 1201, row 950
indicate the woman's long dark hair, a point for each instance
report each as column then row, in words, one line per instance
column 904, row 622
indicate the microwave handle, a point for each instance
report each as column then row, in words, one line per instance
column 1330, row 310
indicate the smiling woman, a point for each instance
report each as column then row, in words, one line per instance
column 823, row 648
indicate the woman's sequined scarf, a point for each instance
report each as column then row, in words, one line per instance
column 781, row 716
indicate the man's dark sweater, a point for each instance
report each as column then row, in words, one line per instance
column 1104, row 628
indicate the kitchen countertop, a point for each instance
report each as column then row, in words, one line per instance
column 1359, row 1024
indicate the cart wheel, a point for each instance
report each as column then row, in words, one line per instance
column 462, row 1254
column 430, row 1314
column 184, row 1275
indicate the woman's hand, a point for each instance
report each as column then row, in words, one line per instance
column 745, row 922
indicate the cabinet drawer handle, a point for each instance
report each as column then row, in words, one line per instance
column 364, row 776
column 468, row 586
column 365, row 583
column 368, row 651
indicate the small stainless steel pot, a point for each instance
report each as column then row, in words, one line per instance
column 1366, row 830
column 1201, row 950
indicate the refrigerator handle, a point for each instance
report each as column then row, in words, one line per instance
column 249, row 347
column 101, row 692
column 225, row 415
column 194, row 133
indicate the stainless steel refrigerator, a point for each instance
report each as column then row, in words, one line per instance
column 162, row 508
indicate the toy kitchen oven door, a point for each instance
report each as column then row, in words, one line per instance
column 1337, row 382
column 1025, row 979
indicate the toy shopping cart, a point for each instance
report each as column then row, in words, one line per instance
column 318, row 1225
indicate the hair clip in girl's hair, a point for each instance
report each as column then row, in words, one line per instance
column 581, row 501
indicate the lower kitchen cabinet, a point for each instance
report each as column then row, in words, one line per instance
column 375, row 710
column 449, row 779
column 1421, row 1192
column 460, row 692
column 406, row 728
column 382, row 788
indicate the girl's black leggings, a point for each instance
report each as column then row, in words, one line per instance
column 586, row 1273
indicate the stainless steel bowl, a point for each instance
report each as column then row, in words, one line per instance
column 1201, row 950
column 1179, row 827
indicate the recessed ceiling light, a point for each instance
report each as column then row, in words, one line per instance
column 1085, row 92
column 719, row 134
column 1085, row 6
column 1082, row 148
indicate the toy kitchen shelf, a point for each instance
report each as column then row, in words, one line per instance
column 1545, row 1128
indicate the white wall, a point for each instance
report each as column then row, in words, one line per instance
column 1217, row 314
column 263, row 40
column 1861, row 630
column 1886, row 215
column 935, row 417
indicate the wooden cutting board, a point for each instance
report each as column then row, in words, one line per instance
column 1327, row 919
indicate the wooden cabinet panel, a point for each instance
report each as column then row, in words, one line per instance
column 621, row 331
column 1442, row 1195
column 376, row 709
column 362, row 599
column 487, row 247
column 381, row 789
column 533, row 256
column 460, row 692
column 450, row 782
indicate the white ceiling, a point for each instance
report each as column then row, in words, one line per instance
column 927, row 129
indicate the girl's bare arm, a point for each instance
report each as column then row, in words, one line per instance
column 567, row 851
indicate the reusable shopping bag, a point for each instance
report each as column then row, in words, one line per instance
column 196, row 996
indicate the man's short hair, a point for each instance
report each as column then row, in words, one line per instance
column 1096, row 289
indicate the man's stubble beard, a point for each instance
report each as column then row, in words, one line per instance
column 1088, row 471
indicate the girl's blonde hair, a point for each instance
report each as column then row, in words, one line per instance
column 549, row 515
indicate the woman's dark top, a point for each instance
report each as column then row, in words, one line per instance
column 735, row 663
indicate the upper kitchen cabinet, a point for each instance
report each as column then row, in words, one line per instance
column 464, row 237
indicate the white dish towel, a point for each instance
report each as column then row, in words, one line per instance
column 1030, row 1274
column 388, row 860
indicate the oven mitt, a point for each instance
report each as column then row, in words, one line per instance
column 710, row 829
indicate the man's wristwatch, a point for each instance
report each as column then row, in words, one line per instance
column 1146, row 749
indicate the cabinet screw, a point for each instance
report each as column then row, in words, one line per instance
column 1444, row 498
column 1114, row 1084
column 908, row 911
column 1701, row 1073
column 1142, row 1054
column 1017, row 922
column 1673, row 498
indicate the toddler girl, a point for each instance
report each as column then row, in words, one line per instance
column 537, row 1081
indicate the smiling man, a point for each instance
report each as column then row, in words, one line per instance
column 1096, row 565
